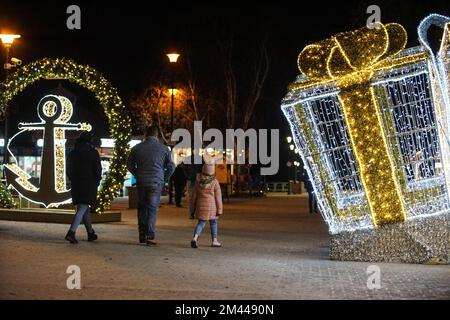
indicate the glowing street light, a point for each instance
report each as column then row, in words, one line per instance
column 292, row 147
column 289, row 139
column 7, row 40
column 173, row 57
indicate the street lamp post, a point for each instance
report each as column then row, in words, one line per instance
column 171, row 109
column 290, row 163
column 7, row 40
column 292, row 147
column 173, row 58
column 296, row 166
column 293, row 163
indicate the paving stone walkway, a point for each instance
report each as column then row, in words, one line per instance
column 272, row 249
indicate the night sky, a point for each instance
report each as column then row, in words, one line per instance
column 127, row 41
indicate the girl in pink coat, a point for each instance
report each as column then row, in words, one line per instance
column 206, row 204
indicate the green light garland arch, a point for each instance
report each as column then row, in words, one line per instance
column 92, row 80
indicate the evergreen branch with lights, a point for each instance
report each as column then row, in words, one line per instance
column 6, row 199
column 92, row 80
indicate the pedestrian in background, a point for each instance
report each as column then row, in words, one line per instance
column 179, row 179
column 311, row 196
column 84, row 170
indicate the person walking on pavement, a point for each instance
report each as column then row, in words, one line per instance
column 192, row 171
column 206, row 204
column 84, row 170
column 179, row 178
column 311, row 196
column 151, row 163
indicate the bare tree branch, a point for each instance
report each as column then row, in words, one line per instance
column 261, row 70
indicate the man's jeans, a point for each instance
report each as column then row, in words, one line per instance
column 149, row 198
column 83, row 214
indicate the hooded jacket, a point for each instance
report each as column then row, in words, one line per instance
column 206, row 201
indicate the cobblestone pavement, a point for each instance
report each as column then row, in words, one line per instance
column 272, row 249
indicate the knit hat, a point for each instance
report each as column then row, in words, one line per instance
column 208, row 169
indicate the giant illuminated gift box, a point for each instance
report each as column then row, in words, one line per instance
column 371, row 120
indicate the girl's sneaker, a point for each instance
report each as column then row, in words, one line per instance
column 194, row 243
column 216, row 244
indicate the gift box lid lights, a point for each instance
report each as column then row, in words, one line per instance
column 371, row 120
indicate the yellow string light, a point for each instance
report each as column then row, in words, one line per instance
column 350, row 60
column 106, row 94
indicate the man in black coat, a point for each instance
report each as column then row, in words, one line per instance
column 179, row 178
column 84, row 170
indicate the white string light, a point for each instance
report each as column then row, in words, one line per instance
column 413, row 101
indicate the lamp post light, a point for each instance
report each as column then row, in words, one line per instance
column 173, row 58
column 289, row 164
column 172, row 94
column 7, row 40
column 293, row 163
column 296, row 167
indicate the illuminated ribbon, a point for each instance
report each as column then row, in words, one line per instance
column 351, row 59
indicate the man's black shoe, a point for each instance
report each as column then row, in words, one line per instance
column 92, row 236
column 71, row 237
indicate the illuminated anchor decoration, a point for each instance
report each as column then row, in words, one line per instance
column 55, row 112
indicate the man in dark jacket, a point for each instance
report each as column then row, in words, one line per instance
column 151, row 163
column 85, row 172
